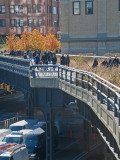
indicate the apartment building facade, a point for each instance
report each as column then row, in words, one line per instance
column 22, row 15
column 90, row 26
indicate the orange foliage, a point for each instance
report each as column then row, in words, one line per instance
column 52, row 43
column 33, row 41
column 10, row 40
column 26, row 41
column 37, row 40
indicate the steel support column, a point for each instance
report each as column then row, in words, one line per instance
column 49, row 132
column 86, row 136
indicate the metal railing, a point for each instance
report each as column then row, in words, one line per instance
column 106, row 92
column 42, row 71
column 16, row 65
column 16, row 61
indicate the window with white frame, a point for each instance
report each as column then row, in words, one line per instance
column 76, row 8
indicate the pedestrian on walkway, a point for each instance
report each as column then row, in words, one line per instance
column 95, row 63
column 25, row 56
column 54, row 59
column 116, row 62
column 37, row 59
column 105, row 63
column 67, row 60
column 62, row 60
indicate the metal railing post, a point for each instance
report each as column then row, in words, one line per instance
column 108, row 96
column 115, row 101
column 65, row 74
column 101, row 89
column 58, row 72
column 70, row 76
column 98, row 94
column 61, row 73
column 76, row 78
column 88, row 82
column 92, row 86
column 119, row 113
column 82, row 77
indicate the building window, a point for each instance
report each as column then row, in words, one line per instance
column 2, row 23
column 2, row 9
column 55, row 24
column 17, row 22
column 49, row 9
column 12, row 23
column 29, row 8
column 89, row 7
column 40, row 22
column 119, row 4
column 54, row 10
column 30, row 22
column 12, row 11
column 35, row 22
column 21, row 22
column 19, row 9
column 34, row 8
column 76, row 8
column 39, row 8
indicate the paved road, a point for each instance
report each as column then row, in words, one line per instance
column 68, row 149
column 10, row 105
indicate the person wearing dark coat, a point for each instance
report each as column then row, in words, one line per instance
column 25, row 56
column 95, row 63
column 62, row 60
column 54, row 59
column 116, row 62
column 67, row 60
column 105, row 63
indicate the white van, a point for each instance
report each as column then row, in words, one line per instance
column 13, row 152
column 3, row 133
column 16, row 136
column 24, row 124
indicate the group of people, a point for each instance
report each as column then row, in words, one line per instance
column 107, row 63
column 45, row 58
column 65, row 60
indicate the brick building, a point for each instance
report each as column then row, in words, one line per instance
column 90, row 26
column 21, row 15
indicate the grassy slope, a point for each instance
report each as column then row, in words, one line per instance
column 111, row 75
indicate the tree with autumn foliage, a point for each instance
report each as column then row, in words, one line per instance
column 51, row 42
column 26, row 41
column 33, row 41
column 37, row 41
column 10, row 40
